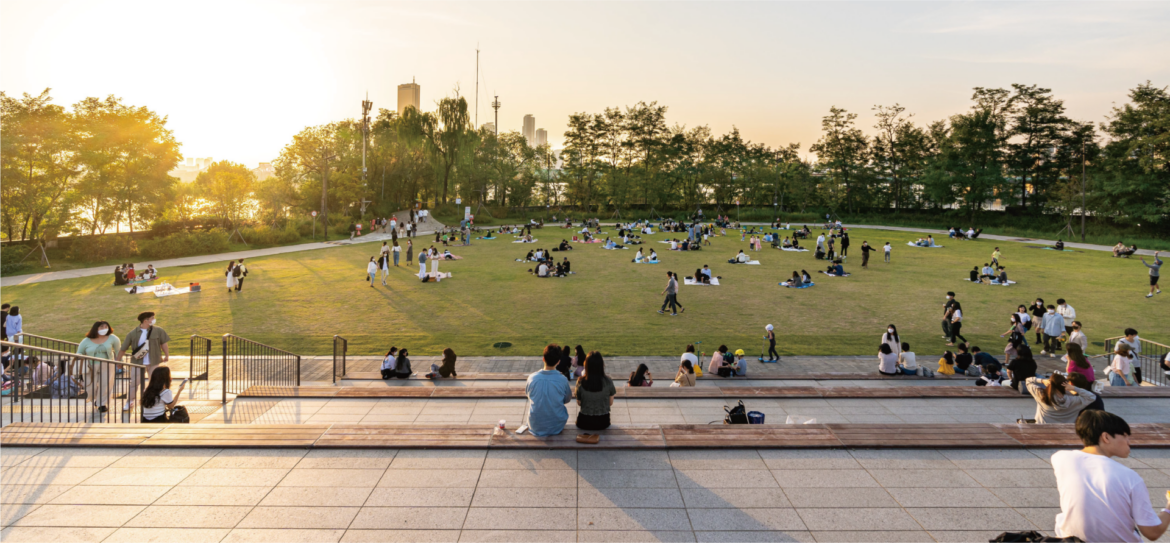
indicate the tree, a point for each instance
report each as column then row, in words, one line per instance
column 38, row 161
column 447, row 135
column 841, row 152
column 967, row 167
column 899, row 152
column 1134, row 183
column 1037, row 126
column 228, row 187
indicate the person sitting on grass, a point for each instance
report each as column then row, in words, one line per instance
column 566, row 266
column 987, row 273
column 907, row 361
column 542, row 270
column 974, row 275
column 1102, row 499
column 1059, row 245
column 641, row 377
column 653, row 255
column 805, row 277
column 741, row 258
column 1002, row 277
column 638, row 257
column 795, row 280
column 1057, row 400
column 836, row 269
column 595, row 392
column 548, row 391
column 887, row 360
column 389, row 362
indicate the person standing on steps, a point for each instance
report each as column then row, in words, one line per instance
column 149, row 345
column 240, row 273
column 770, row 335
column 1154, row 270
column 671, row 292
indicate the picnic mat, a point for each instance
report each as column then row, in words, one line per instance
column 911, row 243
column 616, row 248
column 453, row 257
column 644, row 261
column 1046, row 248
column 802, row 285
column 172, row 292
column 143, row 289
column 522, row 241
column 440, row 275
column 714, row 282
column 753, row 263
column 968, row 279
column 789, row 249
column 593, row 241
column 831, row 275
column 485, row 238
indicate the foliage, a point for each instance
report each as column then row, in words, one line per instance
column 227, row 186
column 186, row 244
column 10, row 256
column 265, row 236
column 99, row 248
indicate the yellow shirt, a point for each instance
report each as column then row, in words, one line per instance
column 944, row 368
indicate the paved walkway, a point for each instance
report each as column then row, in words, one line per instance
column 475, row 495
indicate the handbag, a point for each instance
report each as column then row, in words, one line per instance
column 1137, row 375
column 736, row 414
column 140, row 351
column 179, row 414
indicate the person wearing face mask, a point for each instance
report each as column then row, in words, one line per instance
column 1052, row 324
column 149, row 346
column 948, row 308
column 1038, row 312
column 891, row 338
column 100, row 342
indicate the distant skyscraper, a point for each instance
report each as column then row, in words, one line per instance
column 529, row 128
column 541, row 137
column 409, row 95
column 490, row 127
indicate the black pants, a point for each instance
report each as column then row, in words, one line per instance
column 388, row 374
column 672, row 300
column 864, row 259
column 772, row 350
column 946, row 324
column 956, row 331
column 239, row 283
column 1051, row 343
column 592, row 422
column 159, row 419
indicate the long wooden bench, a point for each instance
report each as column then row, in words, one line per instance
column 827, row 376
column 666, row 436
column 681, row 393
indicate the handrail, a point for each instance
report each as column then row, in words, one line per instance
column 247, row 363
column 1151, row 360
column 338, row 340
column 1110, row 340
column 15, row 346
column 46, row 339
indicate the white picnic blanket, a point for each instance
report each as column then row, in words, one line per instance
column 143, row 289
column 789, row 249
column 911, row 243
column 615, row 248
column 753, row 263
column 522, row 241
column 1010, row 282
column 831, row 275
column 172, row 292
column 666, row 242
column 714, row 282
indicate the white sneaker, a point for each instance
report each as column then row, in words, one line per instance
column 1043, row 352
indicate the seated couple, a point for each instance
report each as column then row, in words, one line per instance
column 684, row 245
column 536, row 256
column 741, row 258
column 1120, row 250
column 548, row 392
column 564, row 246
column 927, row 242
column 798, row 279
column 724, row 364
column 638, row 258
column 836, row 269
column 396, row 365
column 891, row 363
column 781, row 226
column 703, row 275
column 609, row 244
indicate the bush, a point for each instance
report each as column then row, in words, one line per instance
column 10, row 256
column 186, row 244
column 102, row 248
column 263, row 236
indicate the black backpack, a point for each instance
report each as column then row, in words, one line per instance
column 1033, row 537
column 179, row 414
column 736, row 414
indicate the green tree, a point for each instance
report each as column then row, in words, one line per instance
column 1037, row 127
column 1134, row 178
column 228, row 187
column 38, row 161
column 842, row 155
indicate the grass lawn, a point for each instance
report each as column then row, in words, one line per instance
column 299, row 301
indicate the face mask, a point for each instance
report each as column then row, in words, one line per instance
column 1051, row 311
column 950, row 297
column 103, row 331
column 890, row 330
column 153, row 321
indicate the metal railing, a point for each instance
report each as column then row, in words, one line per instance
column 46, row 342
column 51, row 385
column 199, row 366
column 1150, row 358
column 340, row 348
column 247, row 363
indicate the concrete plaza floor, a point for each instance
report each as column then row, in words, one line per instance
column 119, row 495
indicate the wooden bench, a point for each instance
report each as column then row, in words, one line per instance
column 461, row 436
column 683, row 393
column 828, row 376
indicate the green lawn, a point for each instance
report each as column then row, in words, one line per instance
column 300, row 300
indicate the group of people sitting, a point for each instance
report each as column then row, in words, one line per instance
column 799, row 278
column 396, row 365
column 684, row 245
column 125, row 274
column 989, row 274
column 802, row 233
column 958, row 233
column 787, row 243
column 640, row 258
column 547, row 268
column 778, row 225
column 704, row 275
column 928, row 241
column 1121, row 251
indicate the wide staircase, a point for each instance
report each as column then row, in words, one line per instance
column 262, row 402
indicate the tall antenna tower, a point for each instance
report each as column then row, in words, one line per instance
column 366, row 105
column 477, row 87
column 496, row 106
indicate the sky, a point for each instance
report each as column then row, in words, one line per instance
column 238, row 79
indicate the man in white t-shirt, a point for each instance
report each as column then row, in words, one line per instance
column 1101, row 499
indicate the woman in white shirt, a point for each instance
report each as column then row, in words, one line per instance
column 907, row 361
column 389, row 363
column 891, row 338
column 887, row 360
column 158, row 399
column 638, row 257
column 1121, row 369
column 372, row 271
column 434, row 256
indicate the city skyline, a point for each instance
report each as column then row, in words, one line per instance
column 770, row 69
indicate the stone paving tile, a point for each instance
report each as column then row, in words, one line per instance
column 9, row 514
column 347, row 459
column 507, row 518
column 725, row 460
column 623, row 460
column 780, row 459
column 507, row 536
column 250, row 535
column 266, row 477
column 531, row 460
column 213, row 495
column 300, row 517
column 630, row 518
column 823, row 479
column 31, row 494
column 858, row 518
column 111, row 495
column 1003, row 459
column 14, row 456
column 712, row 478
column 45, row 475
column 524, row 497
column 167, row 458
column 975, row 518
column 839, row 497
column 409, row 518
column 874, row 537
column 360, row 478
column 79, row 515
column 81, row 457
column 139, row 476
column 189, row 516
column 507, row 478
column 922, row 478
column 439, row 459
column 400, row 536
column 629, row 497
column 167, row 535
column 635, row 536
column 1014, row 478
column 1028, row 497
column 256, row 458
column 745, row 519
column 54, row 535
column 421, row 497
column 956, row 498
column 723, row 498
column 625, row 478
column 777, row 536
column 429, row 478
column 893, row 459
column 1043, row 517
column 316, row 496
column 961, row 536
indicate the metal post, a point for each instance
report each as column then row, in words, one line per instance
column 298, row 370
column 1083, row 160
column 224, row 377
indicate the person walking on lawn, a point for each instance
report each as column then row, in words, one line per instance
column 671, row 292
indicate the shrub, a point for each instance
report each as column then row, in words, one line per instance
column 264, row 236
column 186, row 244
column 101, row 248
column 10, row 256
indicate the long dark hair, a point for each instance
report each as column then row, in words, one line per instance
column 638, row 376
column 1055, row 388
column 1077, row 355
column 93, row 332
column 580, row 355
column 895, row 334
column 567, row 355
column 593, row 379
column 160, row 380
column 402, row 355
column 686, row 364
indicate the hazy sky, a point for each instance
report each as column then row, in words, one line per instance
column 237, row 79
